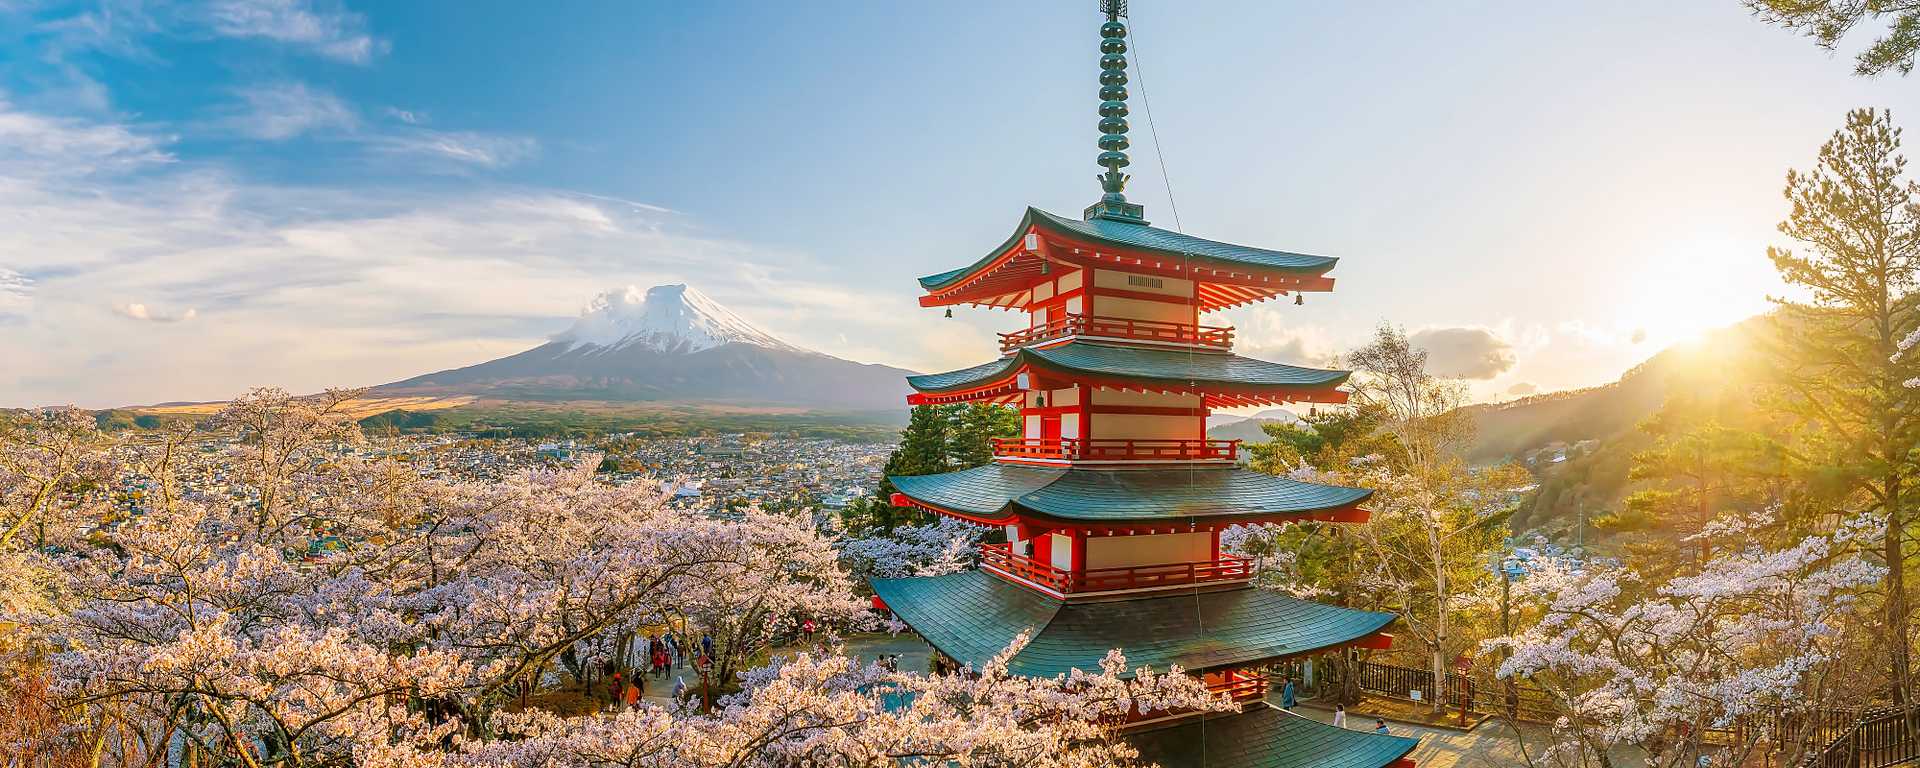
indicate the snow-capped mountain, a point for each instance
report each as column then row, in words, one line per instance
column 670, row 343
column 666, row 318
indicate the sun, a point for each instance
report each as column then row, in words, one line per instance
column 1696, row 285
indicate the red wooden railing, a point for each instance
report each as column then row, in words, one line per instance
column 1240, row 685
column 1120, row 328
column 1073, row 449
column 1001, row 557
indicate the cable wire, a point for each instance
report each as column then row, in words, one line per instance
column 1133, row 43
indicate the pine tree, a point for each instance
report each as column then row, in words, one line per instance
column 922, row 451
column 1837, row 365
column 973, row 428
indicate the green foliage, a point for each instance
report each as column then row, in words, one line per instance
column 938, row 438
column 1841, row 369
column 1827, row 21
column 1329, row 439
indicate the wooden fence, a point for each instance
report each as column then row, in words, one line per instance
column 1831, row 738
column 1485, row 696
column 1885, row 738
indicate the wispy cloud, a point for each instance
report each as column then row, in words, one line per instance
column 287, row 110
column 331, row 32
column 459, row 147
column 138, row 311
column 408, row 116
column 315, row 286
column 16, row 292
column 37, row 144
column 281, row 111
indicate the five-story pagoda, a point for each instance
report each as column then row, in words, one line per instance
column 1114, row 499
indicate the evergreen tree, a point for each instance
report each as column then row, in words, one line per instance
column 973, row 429
column 938, row 438
column 1837, row 363
column 922, row 451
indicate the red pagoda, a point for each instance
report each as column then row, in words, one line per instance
column 1114, row 499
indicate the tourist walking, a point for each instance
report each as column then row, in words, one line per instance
column 1339, row 715
column 1380, row 726
column 1287, row 702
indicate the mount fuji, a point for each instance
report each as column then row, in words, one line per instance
column 670, row 343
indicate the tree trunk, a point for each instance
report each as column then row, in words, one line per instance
column 1895, row 553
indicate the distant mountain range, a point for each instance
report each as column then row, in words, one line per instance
column 1249, row 429
column 671, row 343
column 1509, row 430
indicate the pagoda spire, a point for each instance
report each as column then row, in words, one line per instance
column 1113, row 120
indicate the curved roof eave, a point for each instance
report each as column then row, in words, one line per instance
column 1138, row 364
column 1141, row 237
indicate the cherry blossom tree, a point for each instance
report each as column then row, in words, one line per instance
column 45, row 454
column 824, row 710
column 943, row 546
column 774, row 572
column 1656, row 666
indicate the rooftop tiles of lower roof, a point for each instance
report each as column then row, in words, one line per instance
column 1180, row 494
column 1262, row 736
column 972, row 617
column 1183, row 368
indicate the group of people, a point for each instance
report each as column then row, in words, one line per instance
column 1289, row 700
column 658, row 654
column 662, row 651
column 1340, row 720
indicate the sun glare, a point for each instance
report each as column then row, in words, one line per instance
column 1697, row 285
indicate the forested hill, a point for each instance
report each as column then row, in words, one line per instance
column 1512, row 429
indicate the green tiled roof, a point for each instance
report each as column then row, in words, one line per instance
column 1141, row 237
column 1139, row 364
column 1264, row 737
column 972, row 616
column 998, row 491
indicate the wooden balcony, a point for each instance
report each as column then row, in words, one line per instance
column 1000, row 557
column 1071, row 449
column 1237, row 684
column 1210, row 336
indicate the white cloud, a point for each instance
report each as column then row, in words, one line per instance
column 460, row 147
column 16, row 293
column 282, row 111
column 1466, row 353
column 407, row 116
column 1270, row 333
column 312, row 287
column 287, row 110
column 38, row 145
column 138, row 311
column 333, row 33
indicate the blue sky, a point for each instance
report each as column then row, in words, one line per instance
column 199, row 198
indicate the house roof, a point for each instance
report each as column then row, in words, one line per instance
column 1000, row 492
column 1180, row 368
column 1261, row 736
column 1144, row 238
column 972, row 616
